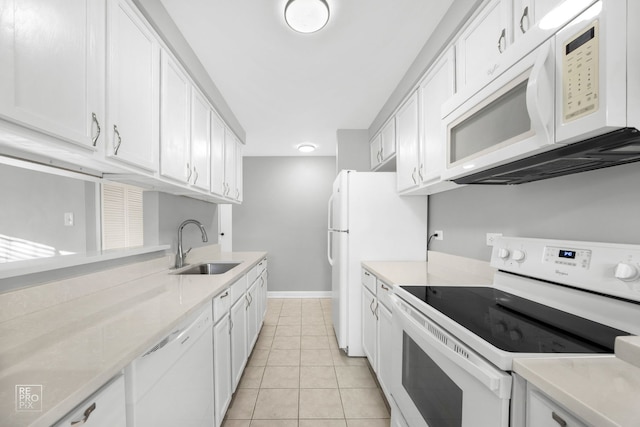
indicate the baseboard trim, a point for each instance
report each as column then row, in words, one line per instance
column 299, row 294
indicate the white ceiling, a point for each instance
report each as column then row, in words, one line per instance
column 286, row 88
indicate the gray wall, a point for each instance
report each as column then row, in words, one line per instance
column 285, row 213
column 33, row 207
column 601, row 205
column 165, row 212
column 353, row 150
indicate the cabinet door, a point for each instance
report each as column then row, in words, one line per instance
column 263, row 292
column 221, row 368
column 133, row 85
column 375, row 151
column 238, row 191
column 527, row 13
column 435, row 89
column 542, row 412
column 388, row 140
column 174, row 121
column 200, row 140
column 238, row 341
column 52, row 66
column 369, row 327
column 229, row 163
column 479, row 46
column 385, row 339
column 217, row 155
column 106, row 406
column 408, row 148
column 252, row 316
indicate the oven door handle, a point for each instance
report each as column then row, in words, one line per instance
column 495, row 380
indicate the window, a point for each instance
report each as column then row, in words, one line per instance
column 122, row 216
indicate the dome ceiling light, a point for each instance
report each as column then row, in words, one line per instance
column 306, row 148
column 306, row 16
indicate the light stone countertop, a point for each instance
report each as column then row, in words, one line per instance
column 74, row 346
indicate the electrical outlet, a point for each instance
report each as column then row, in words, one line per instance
column 440, row 235
column 491, row 238
column 68, row 219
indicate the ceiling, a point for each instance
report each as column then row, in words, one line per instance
column 286, row 88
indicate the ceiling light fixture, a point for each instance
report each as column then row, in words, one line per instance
column 306, row 148
column 306, row 16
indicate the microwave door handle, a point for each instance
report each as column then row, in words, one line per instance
column 540, row 93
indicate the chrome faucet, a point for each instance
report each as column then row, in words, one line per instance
column 181, row 256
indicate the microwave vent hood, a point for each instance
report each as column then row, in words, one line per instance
column 611, row 149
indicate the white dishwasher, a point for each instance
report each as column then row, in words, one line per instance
column 172, row 383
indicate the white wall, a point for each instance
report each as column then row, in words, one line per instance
column 285, row 213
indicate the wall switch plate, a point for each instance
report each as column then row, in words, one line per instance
column 440, row 235
column 68, row 219
column 491, row 238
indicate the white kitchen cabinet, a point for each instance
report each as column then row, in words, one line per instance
column 527, row 13
column 221, row 367
column 437, row 86
column 383, row 146
column 385, row 339
column 133, row 87
column 543, row 412
column 408, row 144
column 375, row 148
column 480, row 45
column 230, row 163
column 52, row 56
column 369, row 327
column 105, row 408
column 218, row 130
column 174, row 121
column 253, row 322
column 200, row 141
column 237, row 194
column 263, row 292
column 238, row 341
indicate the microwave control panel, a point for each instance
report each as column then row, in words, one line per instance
column 581, row 74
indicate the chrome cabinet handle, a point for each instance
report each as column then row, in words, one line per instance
column 196, row 175
column 366, row 273
column 557, row 418
column 116, row 132
column 237, row 193
column 384, row 287
column 413, row 176
column 95, row 120
column 189, row 172
column 371, row 305
column 525, row 14
column 86, row 415
column 420, row 172
column 379, row 155
column 226, row 294
column 503, row 38
column 246, row 298
column 226, row 188
column 375, row 311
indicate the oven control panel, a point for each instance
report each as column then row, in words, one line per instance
column 607, row 268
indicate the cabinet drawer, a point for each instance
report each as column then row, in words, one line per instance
column 369, row 280
column 221, row 305
column 542, row 412
column 238, row 289
column 105, row 408
column 384, row 293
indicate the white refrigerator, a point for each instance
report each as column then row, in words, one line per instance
column 368, row 221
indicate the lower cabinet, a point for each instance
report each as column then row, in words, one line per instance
column 369, row 327
column 385, row 334
column 238, row 341
column 105, row 408
column 253, row 323
column 543, row 412
column 221, row 368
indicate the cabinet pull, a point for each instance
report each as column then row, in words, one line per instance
column 86, row 415
column 95, row 120
column 420, row 173
column 525, row 14
column 557, row 418
column 189, row 173
column 503, row 38
column 226, row 294
column 116, row 132
column 375, row 311
column 195, row 179
column 384, row 287
column 371, row 305
column 366, row 273
column 237, row 193
column 413, row 176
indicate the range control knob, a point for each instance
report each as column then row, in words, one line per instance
column 518, row 255
column 626, row 272
column 503, row 253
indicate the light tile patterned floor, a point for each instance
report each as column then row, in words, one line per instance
column 297, row 377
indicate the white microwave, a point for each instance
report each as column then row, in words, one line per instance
column 569, row 105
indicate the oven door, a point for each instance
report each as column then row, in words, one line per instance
column 437, row 381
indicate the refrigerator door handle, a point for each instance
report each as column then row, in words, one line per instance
column 329, row 224
column 329, row 248
column 330, row 212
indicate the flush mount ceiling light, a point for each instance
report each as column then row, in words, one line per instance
column 306, row 16
column 306, row 148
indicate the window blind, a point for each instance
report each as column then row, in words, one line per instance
column 122, row 216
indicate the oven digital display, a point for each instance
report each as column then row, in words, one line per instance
column 567, row 254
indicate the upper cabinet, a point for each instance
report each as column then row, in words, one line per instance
column 133, row 87
column 175, row 152
column 480, row 45
column 408, row 144
column 218, row 131
column 527, row 13
column 232, row 166
column 200, row 140
column 383, row 146
column 52, row 67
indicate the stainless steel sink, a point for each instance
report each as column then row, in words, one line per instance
column 210, row 268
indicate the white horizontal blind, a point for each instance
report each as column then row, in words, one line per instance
column 122, row 216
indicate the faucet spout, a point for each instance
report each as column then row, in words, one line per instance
column 181, row 255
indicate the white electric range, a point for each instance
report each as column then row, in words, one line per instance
column 454, row 345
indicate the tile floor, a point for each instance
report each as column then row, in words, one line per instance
column 297, row 377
